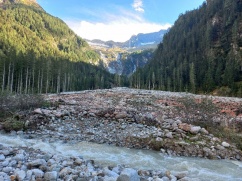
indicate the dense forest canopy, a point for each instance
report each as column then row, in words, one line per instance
column 201, row 53
column 39, row 53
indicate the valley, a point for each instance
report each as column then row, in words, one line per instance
column 161, row 106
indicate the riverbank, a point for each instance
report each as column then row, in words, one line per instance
column 127, row 118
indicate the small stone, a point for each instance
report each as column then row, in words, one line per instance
column 29, row 174
column 174, row 126
column 2, row 157
column 181, row 175
column 51, row 176
column 38, row 173
column 168, row 174
column 140, row 126
column 38, row 162
column 12, row 177
column 123, row 126
column 20, row 132
column 158, row 139
column 110, row 173
column 165, row 179
column 38, row 111
column 219, row 147
column 128, row 174
column 7, row 169
column 238, row 157
column 65, row 171
column 184, row 127
column 204, row 131
column 19, row 157
column 5, row 163
column 20, row 175
column 169, row 135
column 121, row 115
column 195, row 129
column 78, row 161
column 225, row 144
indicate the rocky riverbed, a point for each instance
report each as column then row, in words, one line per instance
column 122, row 117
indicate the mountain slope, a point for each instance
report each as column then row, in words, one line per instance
column 25, row 26
column 32, row 3
column 201, row 52
column 39, row 53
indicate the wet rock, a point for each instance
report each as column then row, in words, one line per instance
column 128, row 174
column 189, row 179
column 180, row 175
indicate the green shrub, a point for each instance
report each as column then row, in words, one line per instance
column 13, row 124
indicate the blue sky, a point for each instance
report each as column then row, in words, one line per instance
column 117, row 20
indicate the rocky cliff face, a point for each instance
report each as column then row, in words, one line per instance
column 121, row 62
column 124, row 58
column 142, row 40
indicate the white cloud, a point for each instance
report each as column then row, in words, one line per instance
column 118, row 26
column 120, row 30
column 138, row 5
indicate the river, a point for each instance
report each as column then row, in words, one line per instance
column 203, row 169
